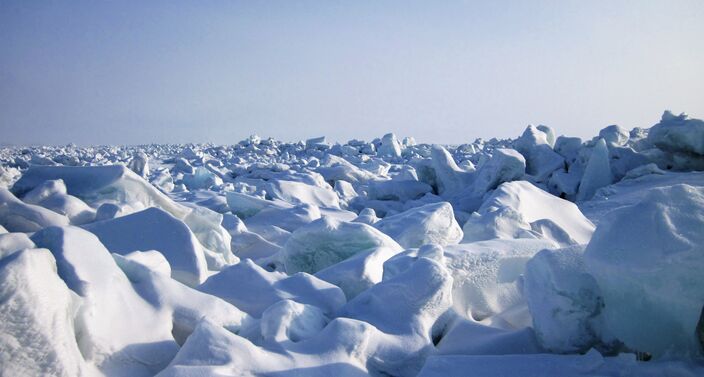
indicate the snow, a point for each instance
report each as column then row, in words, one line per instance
column 539, row 255
column 486, row 340
column 98, row 184
column 449, row 178
column 590, row 364
column 536, row 146
column 614, row 135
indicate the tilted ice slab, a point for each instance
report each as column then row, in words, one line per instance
column 678, row 134
column 288, row 219
column 245, row 206
column 564, row 300
column 647, row 260
column 401, row 190
column 429, row 224
column 326, row 241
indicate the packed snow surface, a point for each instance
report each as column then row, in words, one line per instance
column 540, row 255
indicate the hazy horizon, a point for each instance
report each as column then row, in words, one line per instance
column 96, row 73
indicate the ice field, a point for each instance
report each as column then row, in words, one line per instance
column 542, row 255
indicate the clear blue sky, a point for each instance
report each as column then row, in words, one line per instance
column 98, row 72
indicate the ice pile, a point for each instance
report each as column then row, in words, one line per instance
column 540, row 255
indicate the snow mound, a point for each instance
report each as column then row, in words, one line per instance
column 16, row 216
column 413, row 307
column 410, row 302
column 486, row 340
column 252, row 289
column 52, row 195
column 154, row 229
column 487, row 275
column 301, row 193
column 341, row 349
column 358, row 272
column 184, row 305
column 521, row 210
column 289, row 320
column 591, row 364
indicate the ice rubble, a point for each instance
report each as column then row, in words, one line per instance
column 377, row 258
column 117, row 330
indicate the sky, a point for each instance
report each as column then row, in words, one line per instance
column 136, row 72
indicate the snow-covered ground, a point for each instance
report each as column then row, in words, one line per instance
column 538, row 256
